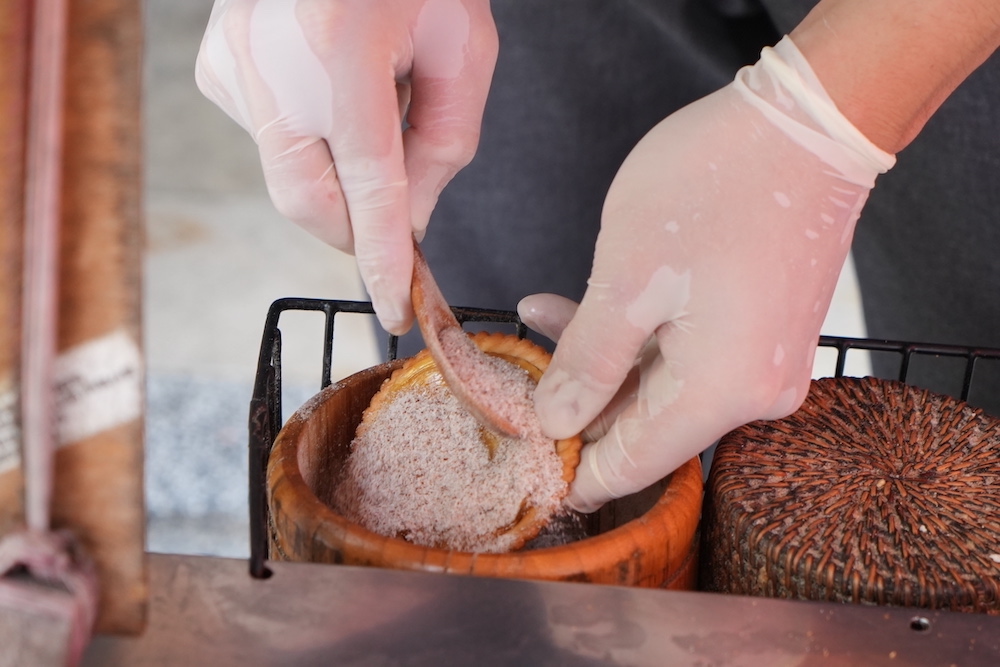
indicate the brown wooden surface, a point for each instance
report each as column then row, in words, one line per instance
column 658, row 548
column 98, row 480
column 13, row 103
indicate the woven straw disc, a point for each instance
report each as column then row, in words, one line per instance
column 873, row 491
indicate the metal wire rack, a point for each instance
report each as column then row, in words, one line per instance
column 265, row 405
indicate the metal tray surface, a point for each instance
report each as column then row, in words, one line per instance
column 208, row 611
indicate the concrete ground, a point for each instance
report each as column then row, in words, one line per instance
column 217, row 256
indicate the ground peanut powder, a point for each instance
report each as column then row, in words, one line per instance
column 421, row 470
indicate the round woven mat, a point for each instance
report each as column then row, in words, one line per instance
column 873, row 491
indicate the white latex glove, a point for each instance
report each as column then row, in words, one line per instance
column 722, row 238
column 322, row 85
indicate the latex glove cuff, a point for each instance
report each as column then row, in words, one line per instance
column 783, row 87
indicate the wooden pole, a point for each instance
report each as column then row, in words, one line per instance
column 98, row 490
column 99, row 478
column 14, row 27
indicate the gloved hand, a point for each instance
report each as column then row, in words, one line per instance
column 322, row 86
column 722, row 238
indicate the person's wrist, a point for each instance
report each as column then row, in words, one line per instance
column 889, row 65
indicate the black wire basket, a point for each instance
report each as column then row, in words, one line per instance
column 266, row 416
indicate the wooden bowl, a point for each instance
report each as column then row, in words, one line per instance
column 645, row 540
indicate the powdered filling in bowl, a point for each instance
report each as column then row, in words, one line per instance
column 423, row 469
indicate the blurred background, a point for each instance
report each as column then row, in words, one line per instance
column 217, row 255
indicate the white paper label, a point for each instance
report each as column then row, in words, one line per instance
column 10, row 436
column 98, row 386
